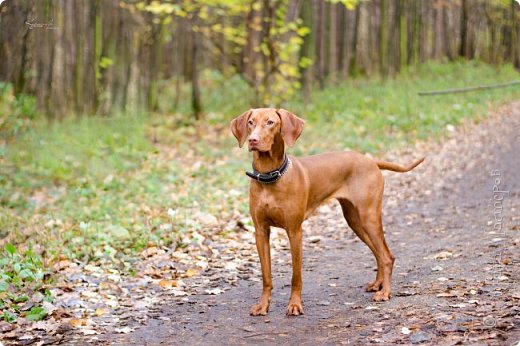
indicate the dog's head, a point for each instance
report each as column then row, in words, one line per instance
column 262, row 125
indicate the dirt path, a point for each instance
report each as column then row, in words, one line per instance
column 456, row 278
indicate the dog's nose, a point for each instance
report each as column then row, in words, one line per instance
column 253, row 140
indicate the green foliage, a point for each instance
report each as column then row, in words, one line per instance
column 16, row 113
column 22, row 279
column 349, row 4
column 37, row 313
column 273, row 62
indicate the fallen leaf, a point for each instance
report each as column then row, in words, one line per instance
column 100, row 311
column 178, row 292
column 60, row 265
column 191, row 272
column 50, row 308
column 443, row 255
column 315, row 239
column 214, row 291
column 459, row 305
column 44, row 325
column 124, row 330
column 6, row 327
column 149, row 252
column 89, row 332
column 167, row 283
column 78, row 322
column 405, row 331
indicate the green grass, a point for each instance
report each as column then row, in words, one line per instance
column 374, row 116
column 101, row 188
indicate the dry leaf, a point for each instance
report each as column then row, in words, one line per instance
column 191, row 272
column 459, row 305
column 178, row 292
column 443, row 255
column 89, row 332
column 100, row 311
column 149, row 252
column 60, row 265
column 167, row 283
column 214, row 291
column 78, row 322
column 446, row 295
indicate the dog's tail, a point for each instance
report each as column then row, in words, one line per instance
column 397, row 168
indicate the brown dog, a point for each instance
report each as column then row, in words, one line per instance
column 286, row 190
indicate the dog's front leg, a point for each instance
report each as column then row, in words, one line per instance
column 262, row 234
column 295, row 306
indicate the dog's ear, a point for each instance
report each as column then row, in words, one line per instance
column 292, row 126
column 239, row 127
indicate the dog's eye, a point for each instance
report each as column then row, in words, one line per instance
column 250, row 122
column 270, row 122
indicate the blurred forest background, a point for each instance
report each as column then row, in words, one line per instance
column 114, row 115
column 101, row 57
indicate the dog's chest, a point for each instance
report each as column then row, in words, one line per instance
column 271, row 206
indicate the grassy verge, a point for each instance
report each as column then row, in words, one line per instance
column 101, row 189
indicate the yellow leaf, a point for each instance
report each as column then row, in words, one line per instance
column 101, row 311
column 167, row 283
column 77, row 322
column 191, row 272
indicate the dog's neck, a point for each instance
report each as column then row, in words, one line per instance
column 271, row 160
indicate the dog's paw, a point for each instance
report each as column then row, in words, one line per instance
column 295, row 309
column 374, row 286
column 259, row 309
column 381, row 296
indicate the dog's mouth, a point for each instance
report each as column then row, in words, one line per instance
column 256, row 147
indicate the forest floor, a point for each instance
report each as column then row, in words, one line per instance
column 453, row 225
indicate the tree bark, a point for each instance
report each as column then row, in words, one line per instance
column 195, row 87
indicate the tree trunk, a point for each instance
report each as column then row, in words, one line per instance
column 307, row 49
column 383, row 39
column 464, row 51
column 320, row 44
column 333, row 44
column 195, row 88
column 515, row 46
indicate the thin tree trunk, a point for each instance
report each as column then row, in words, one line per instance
column 464, row 51
column 383, row 39
column 333, row 44
column 195, row 88
column 307, row 49
column 352, row 64
column 320, row 44
column 515, row 47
